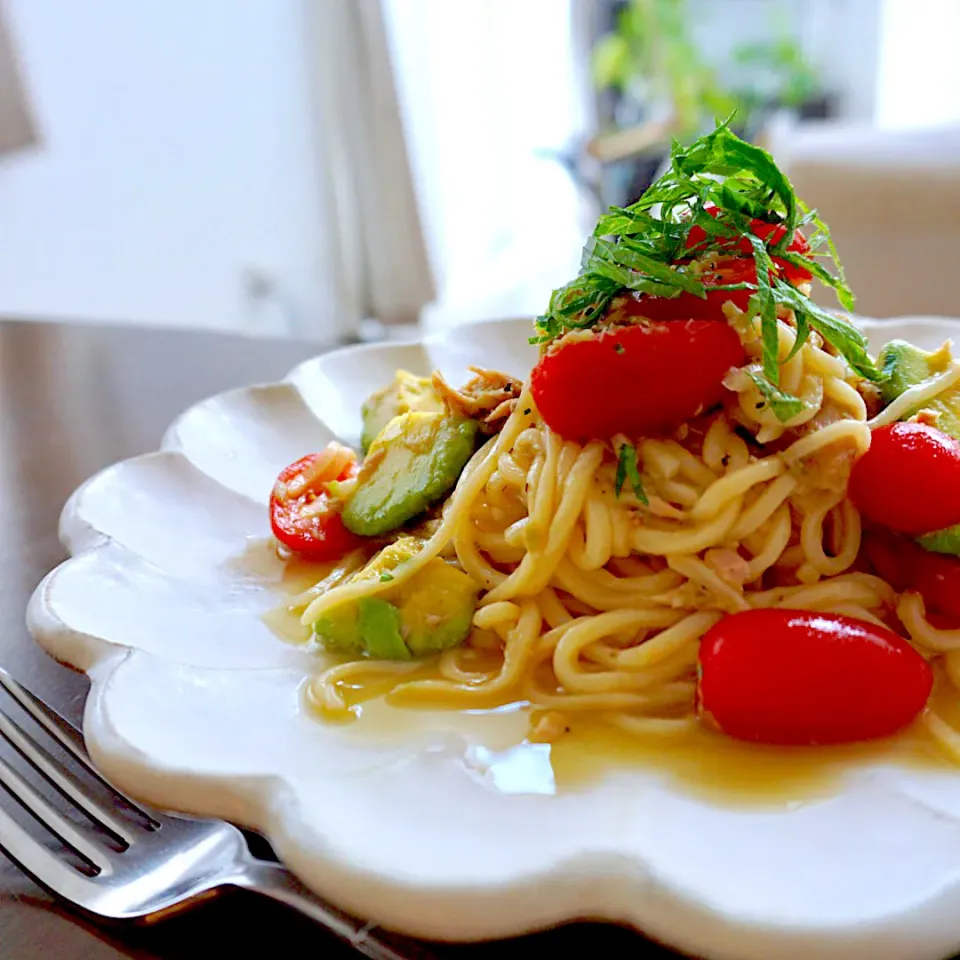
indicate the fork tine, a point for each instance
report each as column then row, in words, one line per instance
column 37, row 757
column 50, row 817
column 44, row 716
column 43, row 865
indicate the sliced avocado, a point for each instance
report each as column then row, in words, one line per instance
column 432, row 611
column 370, row 626
column 414, row 461
column 905, row 366
column 436, row 607
column 382, row 565
column 942, row 541
column 407, row 392
column 379, row 622
column 339, row 630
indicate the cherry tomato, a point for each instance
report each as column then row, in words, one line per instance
column 772, row 233
column 891, row 556
column 727, row 271
column 795, row 677
column 303, row 516
column 905, row 565
column 688, row 306
column 635, row 380
column 909, row 479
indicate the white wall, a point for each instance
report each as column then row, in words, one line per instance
column 178, row 154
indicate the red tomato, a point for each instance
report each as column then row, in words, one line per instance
column 635, row 380
column 737, row 269
column 909, row 479
column 942, row 621
column 905, row 565
column 891, row 556
column 688, row 306
column 794, row 677
column 770, row 232
column 302, row 515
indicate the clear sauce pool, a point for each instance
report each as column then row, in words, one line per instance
column 700, row 761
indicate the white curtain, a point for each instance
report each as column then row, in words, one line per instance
column 382, row 264
column 17, row 127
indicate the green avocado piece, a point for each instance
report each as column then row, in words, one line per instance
column 382, row 565
column 942, row 541
column 905, row 366
column 436, row 607
column 414, row 461
column 432, row 611
column 339, row 630
column 379, row 622
column 371, row 626
column 407, row 392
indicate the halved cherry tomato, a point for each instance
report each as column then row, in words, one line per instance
column 909, row 479
column 772, row 233
column 635, row 380
column 905, row 565
column 303, row 516
column 795, row 677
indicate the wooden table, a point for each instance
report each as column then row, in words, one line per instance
column 73, row 399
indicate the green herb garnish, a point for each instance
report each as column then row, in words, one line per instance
column 848, row 341
column 764, row 303
column 782, row 404
column 718, row 184
column 386, row 577
column 627, row 469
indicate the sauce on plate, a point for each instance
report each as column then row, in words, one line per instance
column 700, row 761
column 703, row 763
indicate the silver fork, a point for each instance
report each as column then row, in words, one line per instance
column 138, row 865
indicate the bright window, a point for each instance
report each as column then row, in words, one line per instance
column 919, row 70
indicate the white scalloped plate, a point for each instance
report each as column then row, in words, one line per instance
column 195, row 706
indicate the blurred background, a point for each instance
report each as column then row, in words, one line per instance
column 335, row 169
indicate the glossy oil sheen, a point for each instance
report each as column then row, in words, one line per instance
column 701, row 762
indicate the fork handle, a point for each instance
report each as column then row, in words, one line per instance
column 275, row 882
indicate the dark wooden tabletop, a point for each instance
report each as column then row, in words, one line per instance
column 73, row 399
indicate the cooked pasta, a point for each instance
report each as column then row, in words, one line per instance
column 597, row 602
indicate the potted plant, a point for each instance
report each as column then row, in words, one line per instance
column 656, row 85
